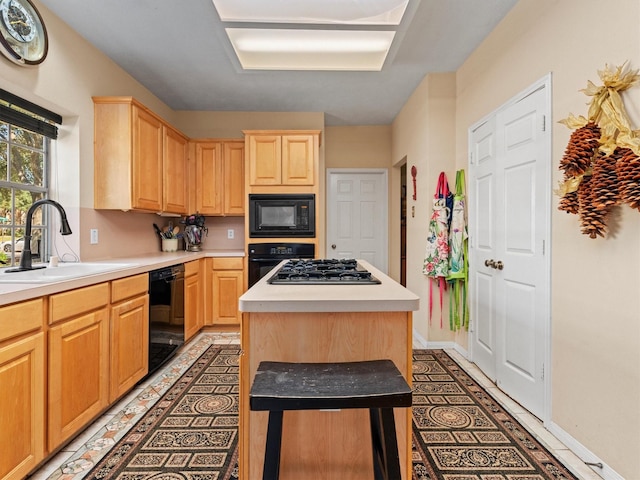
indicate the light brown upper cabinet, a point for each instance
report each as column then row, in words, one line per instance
column 220, row 177
column 140, row 162
column 279, row 158
column 175, row 171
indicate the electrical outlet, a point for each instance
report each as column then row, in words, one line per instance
column 94, row 236
column 231, row 234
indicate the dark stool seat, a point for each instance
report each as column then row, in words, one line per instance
column 376, row 384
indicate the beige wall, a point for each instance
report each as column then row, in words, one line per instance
column 423, row 136
column 201, row 124
column 595, row 338
column 73, row 72
column 596, row 283
column 364, row 147
column 358, row 147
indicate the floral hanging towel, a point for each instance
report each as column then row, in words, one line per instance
column 436, row 259
column 458, row 258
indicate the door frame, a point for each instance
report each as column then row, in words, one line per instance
column 385, row 221
column 546, row 83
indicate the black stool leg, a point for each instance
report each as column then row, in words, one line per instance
column 271, row 470
column 386, row 461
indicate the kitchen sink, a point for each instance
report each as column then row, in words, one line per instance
column 64, row 271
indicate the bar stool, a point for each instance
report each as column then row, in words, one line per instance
column 375, row 384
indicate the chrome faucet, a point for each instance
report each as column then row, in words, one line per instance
column 25, row 259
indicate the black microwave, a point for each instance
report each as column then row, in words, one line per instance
column 282, row 215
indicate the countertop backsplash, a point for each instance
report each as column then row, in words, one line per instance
column 218, row 229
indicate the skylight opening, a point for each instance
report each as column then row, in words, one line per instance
column 298, row 47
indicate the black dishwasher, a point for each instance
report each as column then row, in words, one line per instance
column 166, row 314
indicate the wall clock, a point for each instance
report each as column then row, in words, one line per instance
column 23, row 36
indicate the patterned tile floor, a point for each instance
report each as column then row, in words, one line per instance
column 75, row 460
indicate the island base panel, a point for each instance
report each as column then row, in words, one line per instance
column 323, row 445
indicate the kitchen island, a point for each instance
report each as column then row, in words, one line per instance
column 323, row 323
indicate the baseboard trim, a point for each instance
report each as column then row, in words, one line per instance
column 582, row 452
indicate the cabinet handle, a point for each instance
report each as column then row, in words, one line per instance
column 333, row 246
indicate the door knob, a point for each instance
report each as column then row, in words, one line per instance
column 490, row 263
column 498, row 265
column 333, row 246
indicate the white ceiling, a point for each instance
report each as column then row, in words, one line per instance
column 180, row 52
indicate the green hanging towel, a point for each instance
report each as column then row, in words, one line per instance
column 458, row 258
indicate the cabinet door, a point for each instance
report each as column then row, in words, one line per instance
column 209, row 180
column 146, row 169
column 78, row 373
column 175, row 155
column 234, row 178
column 129, row 345
column 193, row 304
column 22, row 408
column 227, row 288
column 298, row 159
column 265, row 157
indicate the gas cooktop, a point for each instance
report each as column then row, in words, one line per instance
column 323, row 272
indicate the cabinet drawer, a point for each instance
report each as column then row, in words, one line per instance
column 191, row 268
column 228, row 263
column 74, row 302
column 21, row 317
column 129, row 287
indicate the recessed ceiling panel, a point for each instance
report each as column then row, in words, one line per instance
column 284, row 49
column 348, row 12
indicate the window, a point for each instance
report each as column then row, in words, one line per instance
column 25, row 139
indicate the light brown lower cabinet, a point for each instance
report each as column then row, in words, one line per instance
column 78, row 360
column 63, row 360
column 193, row 294
column 225, row 286
column 22, row 405
column 129, row 354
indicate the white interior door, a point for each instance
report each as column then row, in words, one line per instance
column 357, row 225
column 510, row 171
column 482, row 233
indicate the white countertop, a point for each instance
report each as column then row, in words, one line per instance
column 388, row 296
column 16, row 292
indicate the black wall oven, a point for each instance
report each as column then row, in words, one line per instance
column 282, row 215
column 263, row 257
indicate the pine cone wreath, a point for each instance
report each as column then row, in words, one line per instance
column 582, row 146
column 592, row 220
column 569, row 203
column 604, row 181
column 628, row 171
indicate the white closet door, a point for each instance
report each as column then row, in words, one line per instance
column 510, row 174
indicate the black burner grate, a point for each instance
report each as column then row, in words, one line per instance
column 323, row 272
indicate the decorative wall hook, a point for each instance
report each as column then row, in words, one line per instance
column 414, row 173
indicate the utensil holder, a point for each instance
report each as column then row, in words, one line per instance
column 169, row 244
